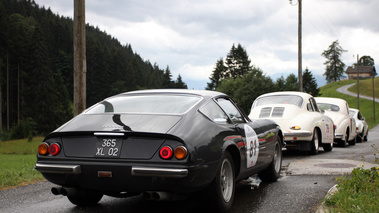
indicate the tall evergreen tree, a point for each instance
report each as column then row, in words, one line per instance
column 217, row 75
column 237, row 62
column 334, row 66
column 310, row 84
column 180, row 84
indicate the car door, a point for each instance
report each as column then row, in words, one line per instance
column 253, row 148
column 327, row 132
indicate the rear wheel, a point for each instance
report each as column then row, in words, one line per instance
column 327, row 147
column 272, row 173
column 315, row 142
column 345, row 141
column 365, row 138
column 85, row 199
column 353, row 142
column 221, row 191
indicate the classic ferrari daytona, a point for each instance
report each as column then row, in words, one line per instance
column 164, row 144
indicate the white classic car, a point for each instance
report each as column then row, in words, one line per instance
column 338, row 110
column 304, row 126
column 362, row 126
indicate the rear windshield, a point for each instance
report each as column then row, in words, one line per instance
column 328, row 107
column 279, row 99
column 145, row 104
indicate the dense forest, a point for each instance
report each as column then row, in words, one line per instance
column 36, row 68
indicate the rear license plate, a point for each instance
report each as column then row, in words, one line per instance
column 108, row 147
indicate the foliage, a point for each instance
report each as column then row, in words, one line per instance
column 36, row 55
column 309, row 83
column 244, row 90
column 335, row 68
column 217, row 75
column 24, row 129
column 366, row 61
column 237, row 62
column 357, row 193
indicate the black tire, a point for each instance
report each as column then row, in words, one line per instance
column 220, row 193
column 85, row 199
column 365, row 138
column 353, row 142
column 360, row 137
column 315, row 143
column 345, row 142
column 272, row 172
column 327, row 147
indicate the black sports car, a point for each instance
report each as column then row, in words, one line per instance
column 165, row 144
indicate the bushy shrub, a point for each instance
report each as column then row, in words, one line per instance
column 24, row 129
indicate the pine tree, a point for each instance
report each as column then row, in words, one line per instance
column 334, row 66
column 310, row 84
column 217, row 75
column 237, row 62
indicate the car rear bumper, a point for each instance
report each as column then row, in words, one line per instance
column 135, row 171
column 298, row 136
column 121, row 177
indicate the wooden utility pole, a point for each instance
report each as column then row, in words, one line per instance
column 358, row 81
column 80, row 64
column 300, row 66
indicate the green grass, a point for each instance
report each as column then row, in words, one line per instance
column 17, row 160
column 357, row 193
column 365, row 106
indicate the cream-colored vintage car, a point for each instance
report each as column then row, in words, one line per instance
column 338, row 110
column 362, row 126
column 304, row 126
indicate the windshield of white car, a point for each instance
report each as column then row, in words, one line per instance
column 279, row 99
column 328, row 107
column 146, row 104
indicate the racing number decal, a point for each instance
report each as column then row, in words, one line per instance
column 252, row 146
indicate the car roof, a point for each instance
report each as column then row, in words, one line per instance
column 203, row 93
column 338, row 101
column 301, row 94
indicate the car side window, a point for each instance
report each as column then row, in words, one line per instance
column 314, row 105
column 231, row 110
column 214, row 113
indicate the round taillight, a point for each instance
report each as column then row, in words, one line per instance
column 166, row 152
column 54, row 149
column 180, row 152
column 43, row 149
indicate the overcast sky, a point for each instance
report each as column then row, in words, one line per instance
column 190, row 36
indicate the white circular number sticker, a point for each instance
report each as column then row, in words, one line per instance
column 252, row 146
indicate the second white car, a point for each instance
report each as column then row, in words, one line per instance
column 304, row 126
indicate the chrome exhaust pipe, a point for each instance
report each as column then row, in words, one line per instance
column 56, row 190
column 68, row 191
column 147, row 195
column 161, row 196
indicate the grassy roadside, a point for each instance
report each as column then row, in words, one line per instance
column 358, row 192
column 365, row 106
column 17, row 160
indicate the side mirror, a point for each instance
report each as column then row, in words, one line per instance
column 363, row 118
